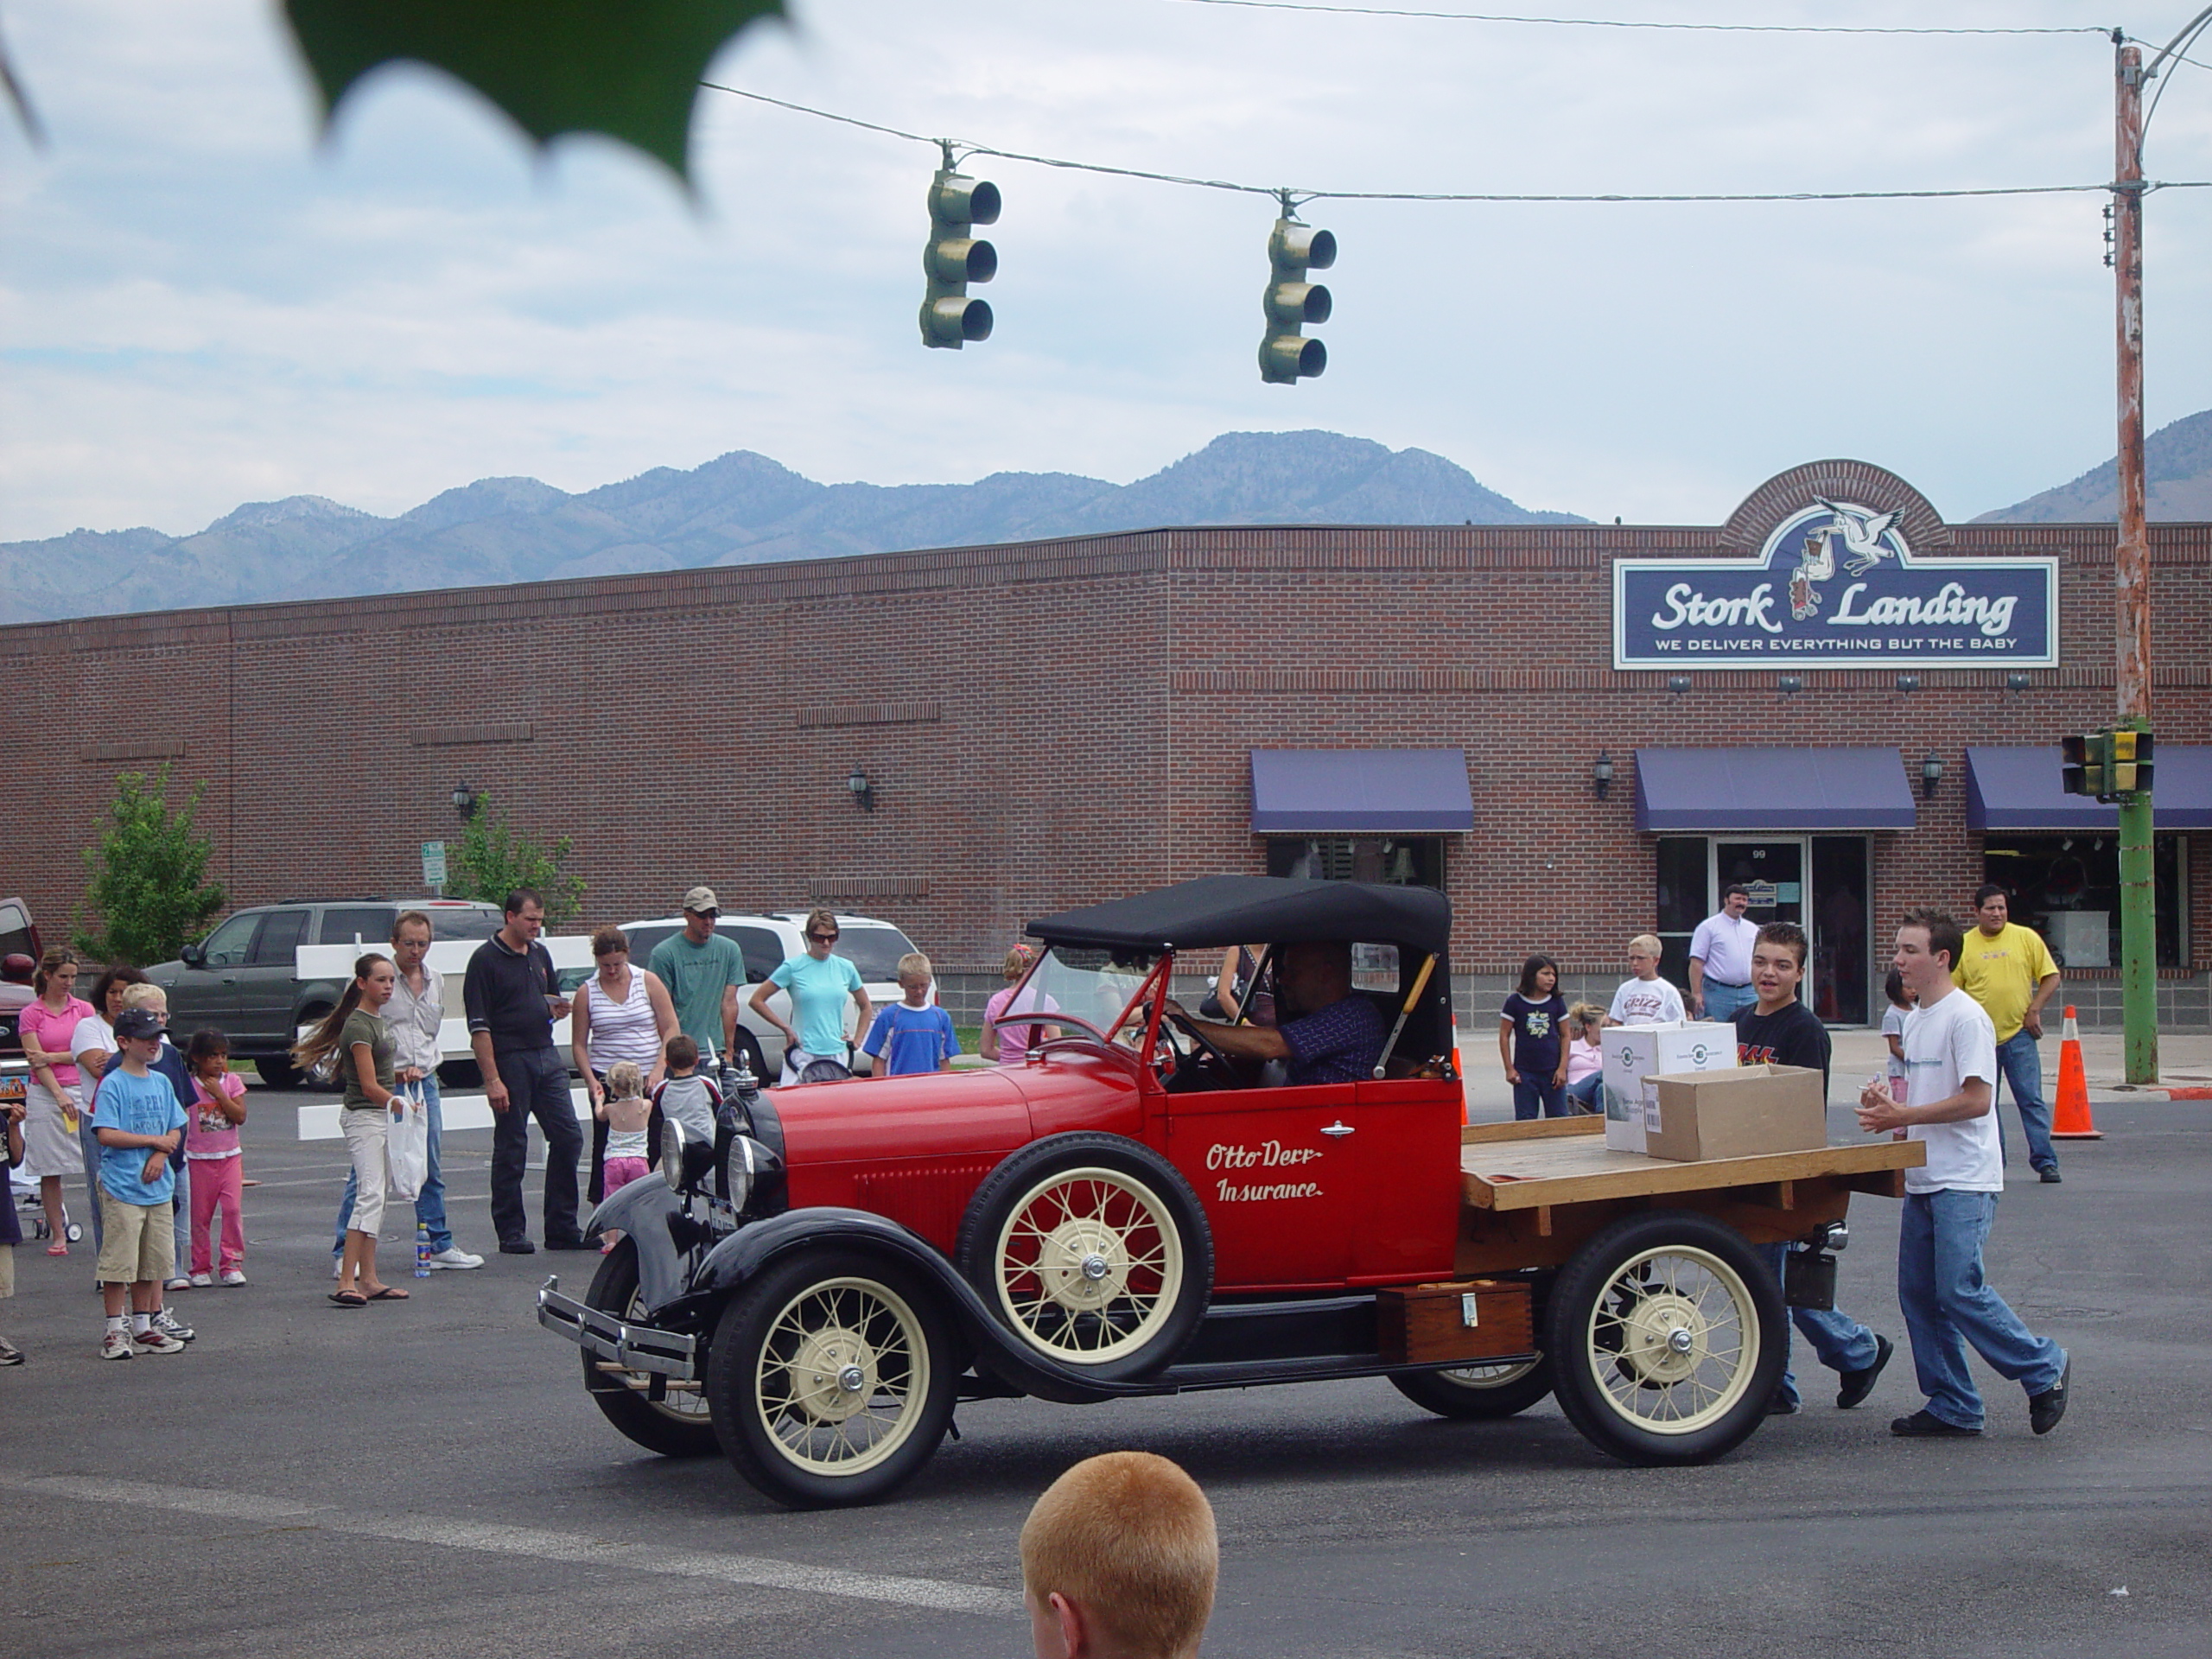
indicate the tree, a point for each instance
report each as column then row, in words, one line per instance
column 146, row 873
column 493, row 858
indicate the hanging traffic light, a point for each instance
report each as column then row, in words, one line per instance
column 954, row 258
column 1286, row 355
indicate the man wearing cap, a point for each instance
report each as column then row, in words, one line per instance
column 703, row 968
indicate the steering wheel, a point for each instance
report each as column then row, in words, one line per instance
column 1207, row 1049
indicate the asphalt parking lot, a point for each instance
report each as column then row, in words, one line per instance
column 428, row 1477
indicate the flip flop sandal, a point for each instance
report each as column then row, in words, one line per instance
column 390, row 1293
column 349, row 1299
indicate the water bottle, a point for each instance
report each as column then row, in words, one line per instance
column 421, row 1250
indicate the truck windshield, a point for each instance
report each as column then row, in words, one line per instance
column 1088, row 987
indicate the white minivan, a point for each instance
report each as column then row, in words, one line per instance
column 768, row 942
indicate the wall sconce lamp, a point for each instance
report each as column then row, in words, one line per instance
column 1789, row 684
column 863, row 791
column 1908, row 681
column 1601, row 774
column 1678, row 683
column 2016, row 681
column 1931, row 773
column 464, row 800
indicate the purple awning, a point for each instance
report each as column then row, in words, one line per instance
column 2017, row 788
column 1360, row 792
column 1780, row 790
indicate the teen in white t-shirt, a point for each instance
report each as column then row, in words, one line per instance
column 1647, row 1000
column 1946, row 1043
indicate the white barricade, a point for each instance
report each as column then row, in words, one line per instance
column 455, row 1111
column 569, row 952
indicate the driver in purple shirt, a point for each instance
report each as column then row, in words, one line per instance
column 1338, row 1041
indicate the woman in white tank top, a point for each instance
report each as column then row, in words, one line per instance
column 623, row 1014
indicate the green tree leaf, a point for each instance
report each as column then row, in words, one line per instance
column 147, row 874
column 627, row 68
column 493, row 858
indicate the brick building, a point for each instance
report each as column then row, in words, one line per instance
column 1053, row 723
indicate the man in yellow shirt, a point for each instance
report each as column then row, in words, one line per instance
column 2008, row 971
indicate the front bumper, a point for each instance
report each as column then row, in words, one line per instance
column 633, row 1347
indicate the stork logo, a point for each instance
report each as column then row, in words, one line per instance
column 1836, row 584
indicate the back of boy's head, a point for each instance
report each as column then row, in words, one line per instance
column 626, row 1082
column 683, row 1052
column 914, row 965
column 142, row 994
column 1129, row 1539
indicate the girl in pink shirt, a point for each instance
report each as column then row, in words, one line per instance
column 211, row 1145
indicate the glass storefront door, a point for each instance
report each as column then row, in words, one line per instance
column 1819, row 882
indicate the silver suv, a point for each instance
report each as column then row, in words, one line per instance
column 241, row 979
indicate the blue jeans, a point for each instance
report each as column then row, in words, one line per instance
column 1948, row 1304
column 1721, row 1002
column 1842, row 1343
column 429, row 1202
column 1527, row 1095
column 2021, row 1067
column 1587, row 1094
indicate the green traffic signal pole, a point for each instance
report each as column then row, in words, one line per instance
column 2132, row 574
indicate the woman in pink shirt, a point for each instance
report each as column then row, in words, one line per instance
column 50, row 1149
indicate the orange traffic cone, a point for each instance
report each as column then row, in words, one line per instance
column 2071, row 1120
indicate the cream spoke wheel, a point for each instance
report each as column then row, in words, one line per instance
column 1088, row 1264
column 684, row 1405
column 840, row 1380
column 1673, row 1339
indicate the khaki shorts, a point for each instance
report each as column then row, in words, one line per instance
column 7, row 1271
column 138, row 1241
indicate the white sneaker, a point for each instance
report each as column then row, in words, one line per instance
column 202, row 1280
column 169, row 1325
column 234, row 1275
column 338, row 1267
column 115, row 1344
column 178, row 1283
column 154, row 1340
column 454, row 1256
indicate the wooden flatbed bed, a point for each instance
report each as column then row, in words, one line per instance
column 1533, row 1191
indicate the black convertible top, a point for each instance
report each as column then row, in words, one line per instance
column 1226, row 910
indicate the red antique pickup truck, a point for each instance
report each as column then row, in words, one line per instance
column 1137, row 1208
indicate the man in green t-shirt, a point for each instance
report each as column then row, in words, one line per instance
column 703, row 968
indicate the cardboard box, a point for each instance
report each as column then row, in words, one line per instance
column 1633, row 1055
column 1474, row 1320
column 1737, row 1114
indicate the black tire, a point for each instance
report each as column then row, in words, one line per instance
column 777, row 1379
column 1478, row 1392
column 1665, row 1334
column 277, row 1071
column 1115, row 1292
column 680, row 1426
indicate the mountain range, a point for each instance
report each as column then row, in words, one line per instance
column 740, row 508
column 744, row 508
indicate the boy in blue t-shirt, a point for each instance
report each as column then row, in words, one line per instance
column 912, row 1036
column 139, row 1123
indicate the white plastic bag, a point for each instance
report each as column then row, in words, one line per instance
column 407, row 1147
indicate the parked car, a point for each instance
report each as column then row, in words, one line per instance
column 767, row 941
column 20, row 950
column 1133, row 1212
column 241, row 979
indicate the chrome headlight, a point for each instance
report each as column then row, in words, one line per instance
column 750, row 1171
column 672, row 1154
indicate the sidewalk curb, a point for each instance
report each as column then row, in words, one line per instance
column 2127, row 1091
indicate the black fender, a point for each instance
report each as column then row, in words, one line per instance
column 668, row 1236
column 745, row 1253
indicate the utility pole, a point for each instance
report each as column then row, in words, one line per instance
column 2132, row 580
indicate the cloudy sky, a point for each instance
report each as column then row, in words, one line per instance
column 202, row 304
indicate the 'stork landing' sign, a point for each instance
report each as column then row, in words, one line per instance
column 1835, row 585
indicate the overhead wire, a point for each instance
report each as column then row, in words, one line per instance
column 1617, row 23
column 966, row 148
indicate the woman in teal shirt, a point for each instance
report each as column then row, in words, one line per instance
column 819, row 984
